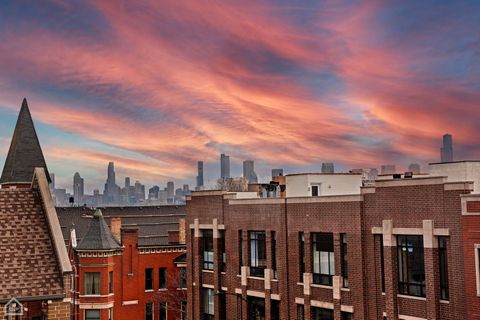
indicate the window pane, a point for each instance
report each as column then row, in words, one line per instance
column 411, row 270
column 207, row 250
column 208, row 306
column 322, row 314
column 92, row 314
column 162, row 310
column 149, row 311
column 92, row 283
column 162, row 272
column 148, row 279
column 323, row 261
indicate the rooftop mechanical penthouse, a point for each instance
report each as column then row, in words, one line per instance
column 393, row 250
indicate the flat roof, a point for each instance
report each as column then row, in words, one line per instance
column 324, row 174
column 460, row 161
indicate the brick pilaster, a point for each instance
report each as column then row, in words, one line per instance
column 389, row 254
column 432, row 278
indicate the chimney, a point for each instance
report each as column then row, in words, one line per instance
column 181, row 231
column 115, row 226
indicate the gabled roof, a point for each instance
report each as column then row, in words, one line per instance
column 98, row 236
column 25, row 153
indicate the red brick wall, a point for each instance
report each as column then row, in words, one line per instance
column 406, row 206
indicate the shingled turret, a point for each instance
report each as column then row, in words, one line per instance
column 98, row 237
column 25, row 153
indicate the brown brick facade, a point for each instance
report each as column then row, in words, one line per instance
column 428, row 208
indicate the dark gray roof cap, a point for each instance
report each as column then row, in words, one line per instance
column 25, row 153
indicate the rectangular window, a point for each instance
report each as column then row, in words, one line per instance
column 92, row 314
column 256, row 308
column 223, row 260
column 323, row 258
column 258, row 253
column 110, row 282
column 222, row 302
column 300, row 312
column 162, row 311
column 183, row 277
column 92, row 283
column 322, row 314
column 301, row 255
column 208, row 306
column 382, row 263
column 275, row 310
column 315, row 191
column 274, row 253
column 110, row 314
column 184, row 310
column 443, row 264
column 344, row 252
column 240, row 251
column 149, row 279
column 411, row 270
column 162, row 278
column 346, row 316
column 149, row 311
column 207, row 250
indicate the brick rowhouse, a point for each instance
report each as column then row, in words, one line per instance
column 393, row 250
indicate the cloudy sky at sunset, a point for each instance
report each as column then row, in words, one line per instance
column 156, row 85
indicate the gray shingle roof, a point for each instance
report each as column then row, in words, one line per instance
column 98, row 236
column 153, row 222
column 25, row 153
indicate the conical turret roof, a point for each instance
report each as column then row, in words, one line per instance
column 98, row 236
column 25, row 153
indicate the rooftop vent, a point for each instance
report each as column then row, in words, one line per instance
column 397, row 176
column 408, row 175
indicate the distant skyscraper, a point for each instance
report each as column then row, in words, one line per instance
column 327, row 167
column 387, row 169
column 414, row 167
column 200, row 174
column 78, row 188
column 170, row 189
column 112, row 191
column 249, row 171
column 277, row 172
column 127, row 182
column 446, row 152
column 224, row 166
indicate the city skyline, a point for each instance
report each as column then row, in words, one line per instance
column 290, row 87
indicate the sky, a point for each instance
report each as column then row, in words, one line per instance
column 157, row 85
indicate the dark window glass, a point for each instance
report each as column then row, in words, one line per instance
column 274, row 310
column 149, row 279
column 323, row 259
column 149, row 311
column 256, row 308
column 443, row 264
column 93, row 314
column 183, row 277
column 300, row 312
column 223, row 258
column 162, row 278
column 184, row 310
column 344, row 253
column 207, row 250
column 110, row 282
column 274, row 253
column 346, row 316
column 382, row 263
column 301, row 255
column 110, row 314
column 207, row 303
column 258, row 253
column 411, row 270
column 322, row 314
column 162, row 311
column 222, row 305
column 240, row 251
column 314, row 191
column 92, row 283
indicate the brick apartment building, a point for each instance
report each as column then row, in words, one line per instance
column 35, row 271
column 393, row 250
column 129, row 262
